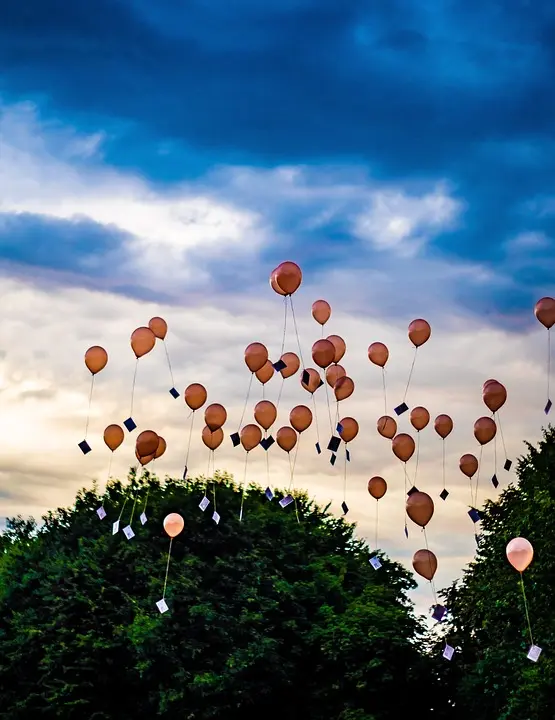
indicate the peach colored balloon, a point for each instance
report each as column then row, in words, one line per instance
column 96, row 359
column 420, row 508
column 292, row 364
column 339, row 345
column 377, row 487
column 333, row 373
column 173, row 524
column 545, row 312
column 419, row 332
column 288, row 277
column 286, row 438
column 215, row 416
column 343, row 388
column 113, row 436
column 265, row 414
column 159, row 327
column 520, row 553
column 494, row 396
column 300, row 418
column 144, row 459
column 265, row 373
column 387, row 427
column 487, row 383
column 484, row 430
column 419, row 418
column 350, row 429
column 443, row 425
column 256, row 356
column 313, row 380
column 195, row 395
column 468, row 465
column 212, row 438
column 147, row 443
column 321, row 311
column 403, row 446
column 274, row 284
column 424, row 563
column 142, row 341
column 251, row 435
column 161, row 449
column 323, row 353
column 378, row 354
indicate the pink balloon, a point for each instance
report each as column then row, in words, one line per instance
column 173, row 524
column 520, row 553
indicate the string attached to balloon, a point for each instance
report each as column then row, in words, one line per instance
column 287, row 439
column 96, row 359
column 251, row 435
column 520, row 554
column 160, row 329
column 419, row 419
column 195, row 396
column 377, row 487
column 378, row 354
column 420, row 509
column 494, row 395
column 212, row 439
column 544, row 311
column 290, row 363
column 256, row 357
column 469, row 466
column 443, row 425
column 348, row 430
column 403, row 447
column 485, row 431
column 323, row 353
column 419, row 333
column 113, row 438
column 265, row 414
column 160, row 450
column 173, row 526
column 142, row 342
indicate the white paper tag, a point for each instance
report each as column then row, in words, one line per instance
column 287, row 500
column 534, row 653
column 143, row 518
column 375, row 562
column 128, row 532
column 115, row 527
column 162, row 606
column 448, row 652
column 204, row 503
column 101, row 513
column 216, row 517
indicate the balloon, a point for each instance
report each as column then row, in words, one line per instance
column 443, row 425
column 323, row 353
column 159, row 327
column 215, row 416
column 419, row 332
column 419, row 418
column 545, row 312
column 387, row 426
column 424, row 563
column 251, row 435
column 333, row 373
column 147, row 443
column 265, row 413
column 300, row 418
column 494, row 395
column 288, row 277
column 256, row 356
column 403, row 446
column 487, row 383
column 286, row 438
column 520, row 553
column 195, row 395
column 265, row 373
column 144, row 459
column 377, row 487
column 321, row 311
column 420, row 508
column 339, row 345
column 343, row 388
column 468, row 465
column 173, row 524
column 292, row 363
column 274, row 285
column 484, row 430
column 313, row 380
column 113, row 437
column 142, row 341
column 161, row 449
column 96, row 359
column 350, row 429
column 378, row 354
column 212, row 438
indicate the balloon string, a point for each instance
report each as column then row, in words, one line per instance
column 190, row 436
column 146, row 499
column 548, row 361
column 267, row 461
column 410, row 374
column 406, row 482
column 244, row 482
column 214, row 489
column 377, row 511
column 89, row 409
column 432, row 583
column 526, row 609
column 246, row 403
column 328, row 402
column 167, row 569
column 133, row 387
column 134, row 506
column 110, row 466
column 475, row 501
column 280, row 392
column 345, row 476
column 417, row 455
column 495, row 454
column 498, row 419
column 384, row 391
column 297, row 332
column 284, row 325
column 169, row 363
column 443, row 459
column 316, row 419
column 292, row 467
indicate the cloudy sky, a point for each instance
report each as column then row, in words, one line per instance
column 161, row 158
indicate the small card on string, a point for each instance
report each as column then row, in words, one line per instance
column 143, row 518
column 494, row 481
column 204, row 503
column 101, row 513
column 347, row 455
column 216, row 517
column 162, row 606
column 375, row 562
column 508, row 464
column 344, row 507
column 305, row 377
column 334, row 443
column 448, row 652
column 534, row 653
column 548, row 407
column 130, row 424
column 339, row 428
column 474, row 515
column 128, row 532
column 287, row 500
column 84, row 447
column 406, row 532
column 269, row 494
column 318, row 448
column 185, row 471
column 279, row 365
column 333, row 458
column 235, row 439
column 174, row 393
column 444, row 494
column 439, row 613
column 402, row 408
column 115, row 527
column 413, row 490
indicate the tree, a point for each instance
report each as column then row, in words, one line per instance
column 268, row 615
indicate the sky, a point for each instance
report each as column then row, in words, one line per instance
column 162, row 158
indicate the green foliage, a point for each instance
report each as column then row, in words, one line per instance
column 270, row 614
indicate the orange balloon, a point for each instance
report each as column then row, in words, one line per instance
column 292, row 364
column 265, row 373
column 173, row 524
column 487, row 383
column 288, row 277
column 286, row 438
column 96, row 359
column 468, row 465
column 377, row 487
column 343, row 388
column 443, row 425
column 419, row 418
column 300, row 418
column 251, row 435
column 484, row 430
column 403, row 446
column 419, row 332
column 113, row 436
column 265, row 413
column 313, row 380
column 195, row 395
column 333, row 373
column 378, row 354
column 256, row 356
column 387, row 427
column 321, row 311
column 323, row 353
column 159, row 327
column 215, row 416
column 161, row 449
column 424, row 563
column 520, row 553
column 274, row 285
column 545, row 312
column 212, row 438
column 420, row 508
column 339, row 345
column 494, row 396
column 144, row 459
column 350, row 429
column 147, row 443
column 142, row 341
